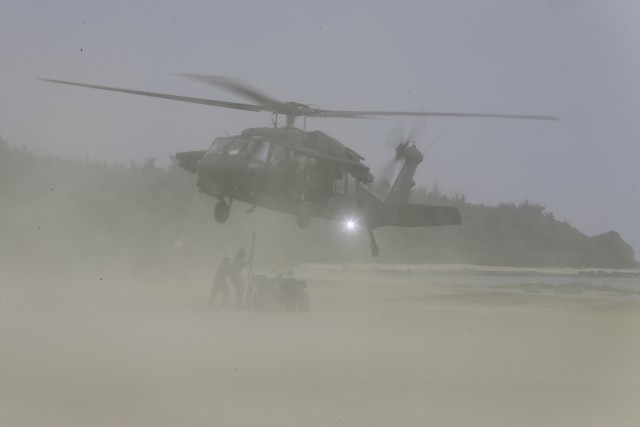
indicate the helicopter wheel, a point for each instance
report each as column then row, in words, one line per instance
column 221, row 211
column 303, row 217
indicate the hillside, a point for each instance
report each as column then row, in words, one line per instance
column 58, row 215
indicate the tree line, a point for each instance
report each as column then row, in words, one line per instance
column 58, row 215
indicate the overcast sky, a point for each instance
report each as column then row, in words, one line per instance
column 579, row 60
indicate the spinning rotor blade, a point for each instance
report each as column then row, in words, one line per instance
column 266, row 102
column 211, row 102
column 396, row 134
column 418, row 129
column 349, row 113
column 389, row 169
column 395, row 139
column 271, row 104
column 237, row 87
column 290, row 109
column 329, row 114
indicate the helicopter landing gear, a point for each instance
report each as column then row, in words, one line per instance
column 374, row 246
column 221, row 211
column 303, row 216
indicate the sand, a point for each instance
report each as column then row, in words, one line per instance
column 375, row 350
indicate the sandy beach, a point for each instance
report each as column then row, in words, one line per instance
column 376, row 349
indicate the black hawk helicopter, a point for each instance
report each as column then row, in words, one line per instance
column 305, row 173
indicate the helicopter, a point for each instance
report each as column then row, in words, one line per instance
column 307, row 174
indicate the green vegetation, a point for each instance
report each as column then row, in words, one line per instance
column 58, row 215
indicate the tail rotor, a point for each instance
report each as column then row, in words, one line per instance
column 400, row 141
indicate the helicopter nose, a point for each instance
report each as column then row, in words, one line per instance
column 211, row 168
column 219, row 174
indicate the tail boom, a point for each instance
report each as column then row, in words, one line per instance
column 414, row 215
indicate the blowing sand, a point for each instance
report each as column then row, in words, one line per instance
column 375, row 350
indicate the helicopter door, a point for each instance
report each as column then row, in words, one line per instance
column 278, row 165
column 350, row 183
column 258, row 149
column 345, row 184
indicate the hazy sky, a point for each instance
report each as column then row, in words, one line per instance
column 579, row 60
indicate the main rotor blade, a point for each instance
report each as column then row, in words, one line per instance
column 211, row 102
column 237, row 87
column 350, row 113
column 269, row 104
column 337, row 114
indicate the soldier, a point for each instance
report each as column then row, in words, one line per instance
column 220, row 283
column 239, row 263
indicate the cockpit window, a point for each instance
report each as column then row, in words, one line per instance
column 258, row 149
column 236, row 146
column 218, row 145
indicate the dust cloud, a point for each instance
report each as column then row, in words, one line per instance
column 103, row 321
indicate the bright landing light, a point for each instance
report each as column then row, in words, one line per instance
column 350, row 225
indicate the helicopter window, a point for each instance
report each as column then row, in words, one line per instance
column 236, row 146
column 278, row 155
column 218, row 145
column 258, row 149
column 300, row 163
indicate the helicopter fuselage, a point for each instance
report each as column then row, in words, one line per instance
column 284, row 170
